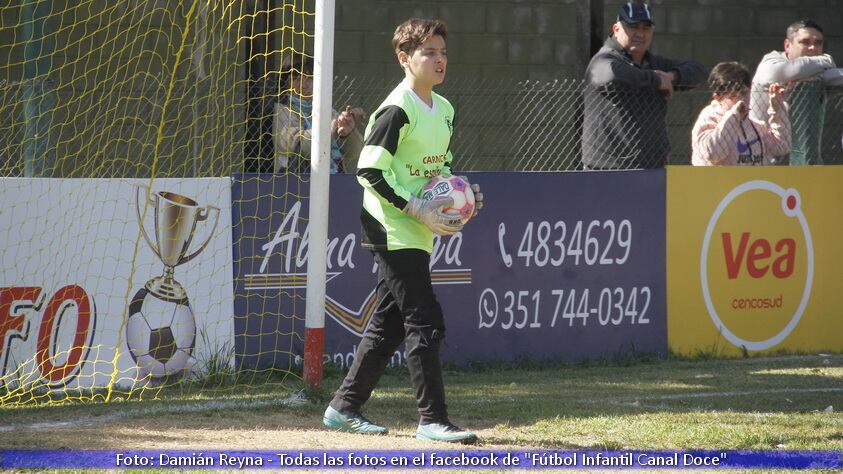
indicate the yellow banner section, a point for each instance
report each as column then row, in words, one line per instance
column 754, row 259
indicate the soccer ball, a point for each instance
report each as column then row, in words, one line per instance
column 160, row 334
column 456, row 188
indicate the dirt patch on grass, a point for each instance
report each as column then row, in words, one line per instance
column 216, row 431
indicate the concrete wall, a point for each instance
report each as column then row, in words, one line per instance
column 537, row 39
column 711, row 31
column 516, row 39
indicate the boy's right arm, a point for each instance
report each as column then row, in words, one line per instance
column 713, row 140
column 374, row 169
column 289, row 137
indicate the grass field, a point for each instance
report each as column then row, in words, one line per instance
column 788, row 402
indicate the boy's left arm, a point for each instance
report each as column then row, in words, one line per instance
column 446, row 171
column 446, row 167
column 351, row 146
column 475, row 188
column 776, row 132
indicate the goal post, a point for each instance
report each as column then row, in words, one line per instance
column 319, row 191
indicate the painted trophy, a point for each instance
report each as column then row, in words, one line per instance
column 161, row 329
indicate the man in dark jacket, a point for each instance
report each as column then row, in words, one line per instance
column 626, row 94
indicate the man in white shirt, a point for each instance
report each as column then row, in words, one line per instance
column 807, row 73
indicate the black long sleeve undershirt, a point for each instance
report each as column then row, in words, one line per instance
column 375, row 178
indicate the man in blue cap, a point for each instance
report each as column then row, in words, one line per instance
column 626, row 94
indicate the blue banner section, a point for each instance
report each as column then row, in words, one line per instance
column 557, row 266
column 428, row 459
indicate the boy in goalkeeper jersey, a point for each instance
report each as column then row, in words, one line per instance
column 406, row 143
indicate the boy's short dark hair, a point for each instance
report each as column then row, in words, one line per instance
column 794, row 27
column 415, row 31
column 298, row 64
column 729, row 77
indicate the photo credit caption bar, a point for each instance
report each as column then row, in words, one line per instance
column 446, row 459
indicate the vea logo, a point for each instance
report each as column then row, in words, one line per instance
column 755, row 255
column 757, row 264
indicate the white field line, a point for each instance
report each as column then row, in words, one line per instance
column 679, row 396
column 164, row 409
column 631, row 400
column 296, row 399
column 636, row 401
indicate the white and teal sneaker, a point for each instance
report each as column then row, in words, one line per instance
column 446, row 432
column 351, row 422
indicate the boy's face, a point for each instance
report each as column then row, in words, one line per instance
column 729, row 99
column 427, row 64
column 302, row 85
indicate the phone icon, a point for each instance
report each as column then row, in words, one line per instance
column 507, row 259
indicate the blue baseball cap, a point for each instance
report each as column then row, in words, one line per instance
column 635, row 13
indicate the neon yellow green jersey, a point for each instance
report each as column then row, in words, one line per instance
column 406, row 144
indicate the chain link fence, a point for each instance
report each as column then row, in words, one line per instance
column 509, row 125
column 123, row 131
column 538, row 125
column 501, row 125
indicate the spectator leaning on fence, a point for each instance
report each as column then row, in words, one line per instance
column 294, row 119
column 725, row 134
column 807, row 73
column 626, row 94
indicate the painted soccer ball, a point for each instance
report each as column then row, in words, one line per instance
column 160, row 334
column 456, row 188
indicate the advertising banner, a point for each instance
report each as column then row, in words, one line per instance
column 557, row 266
column 83, row 286
column 753, row 259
